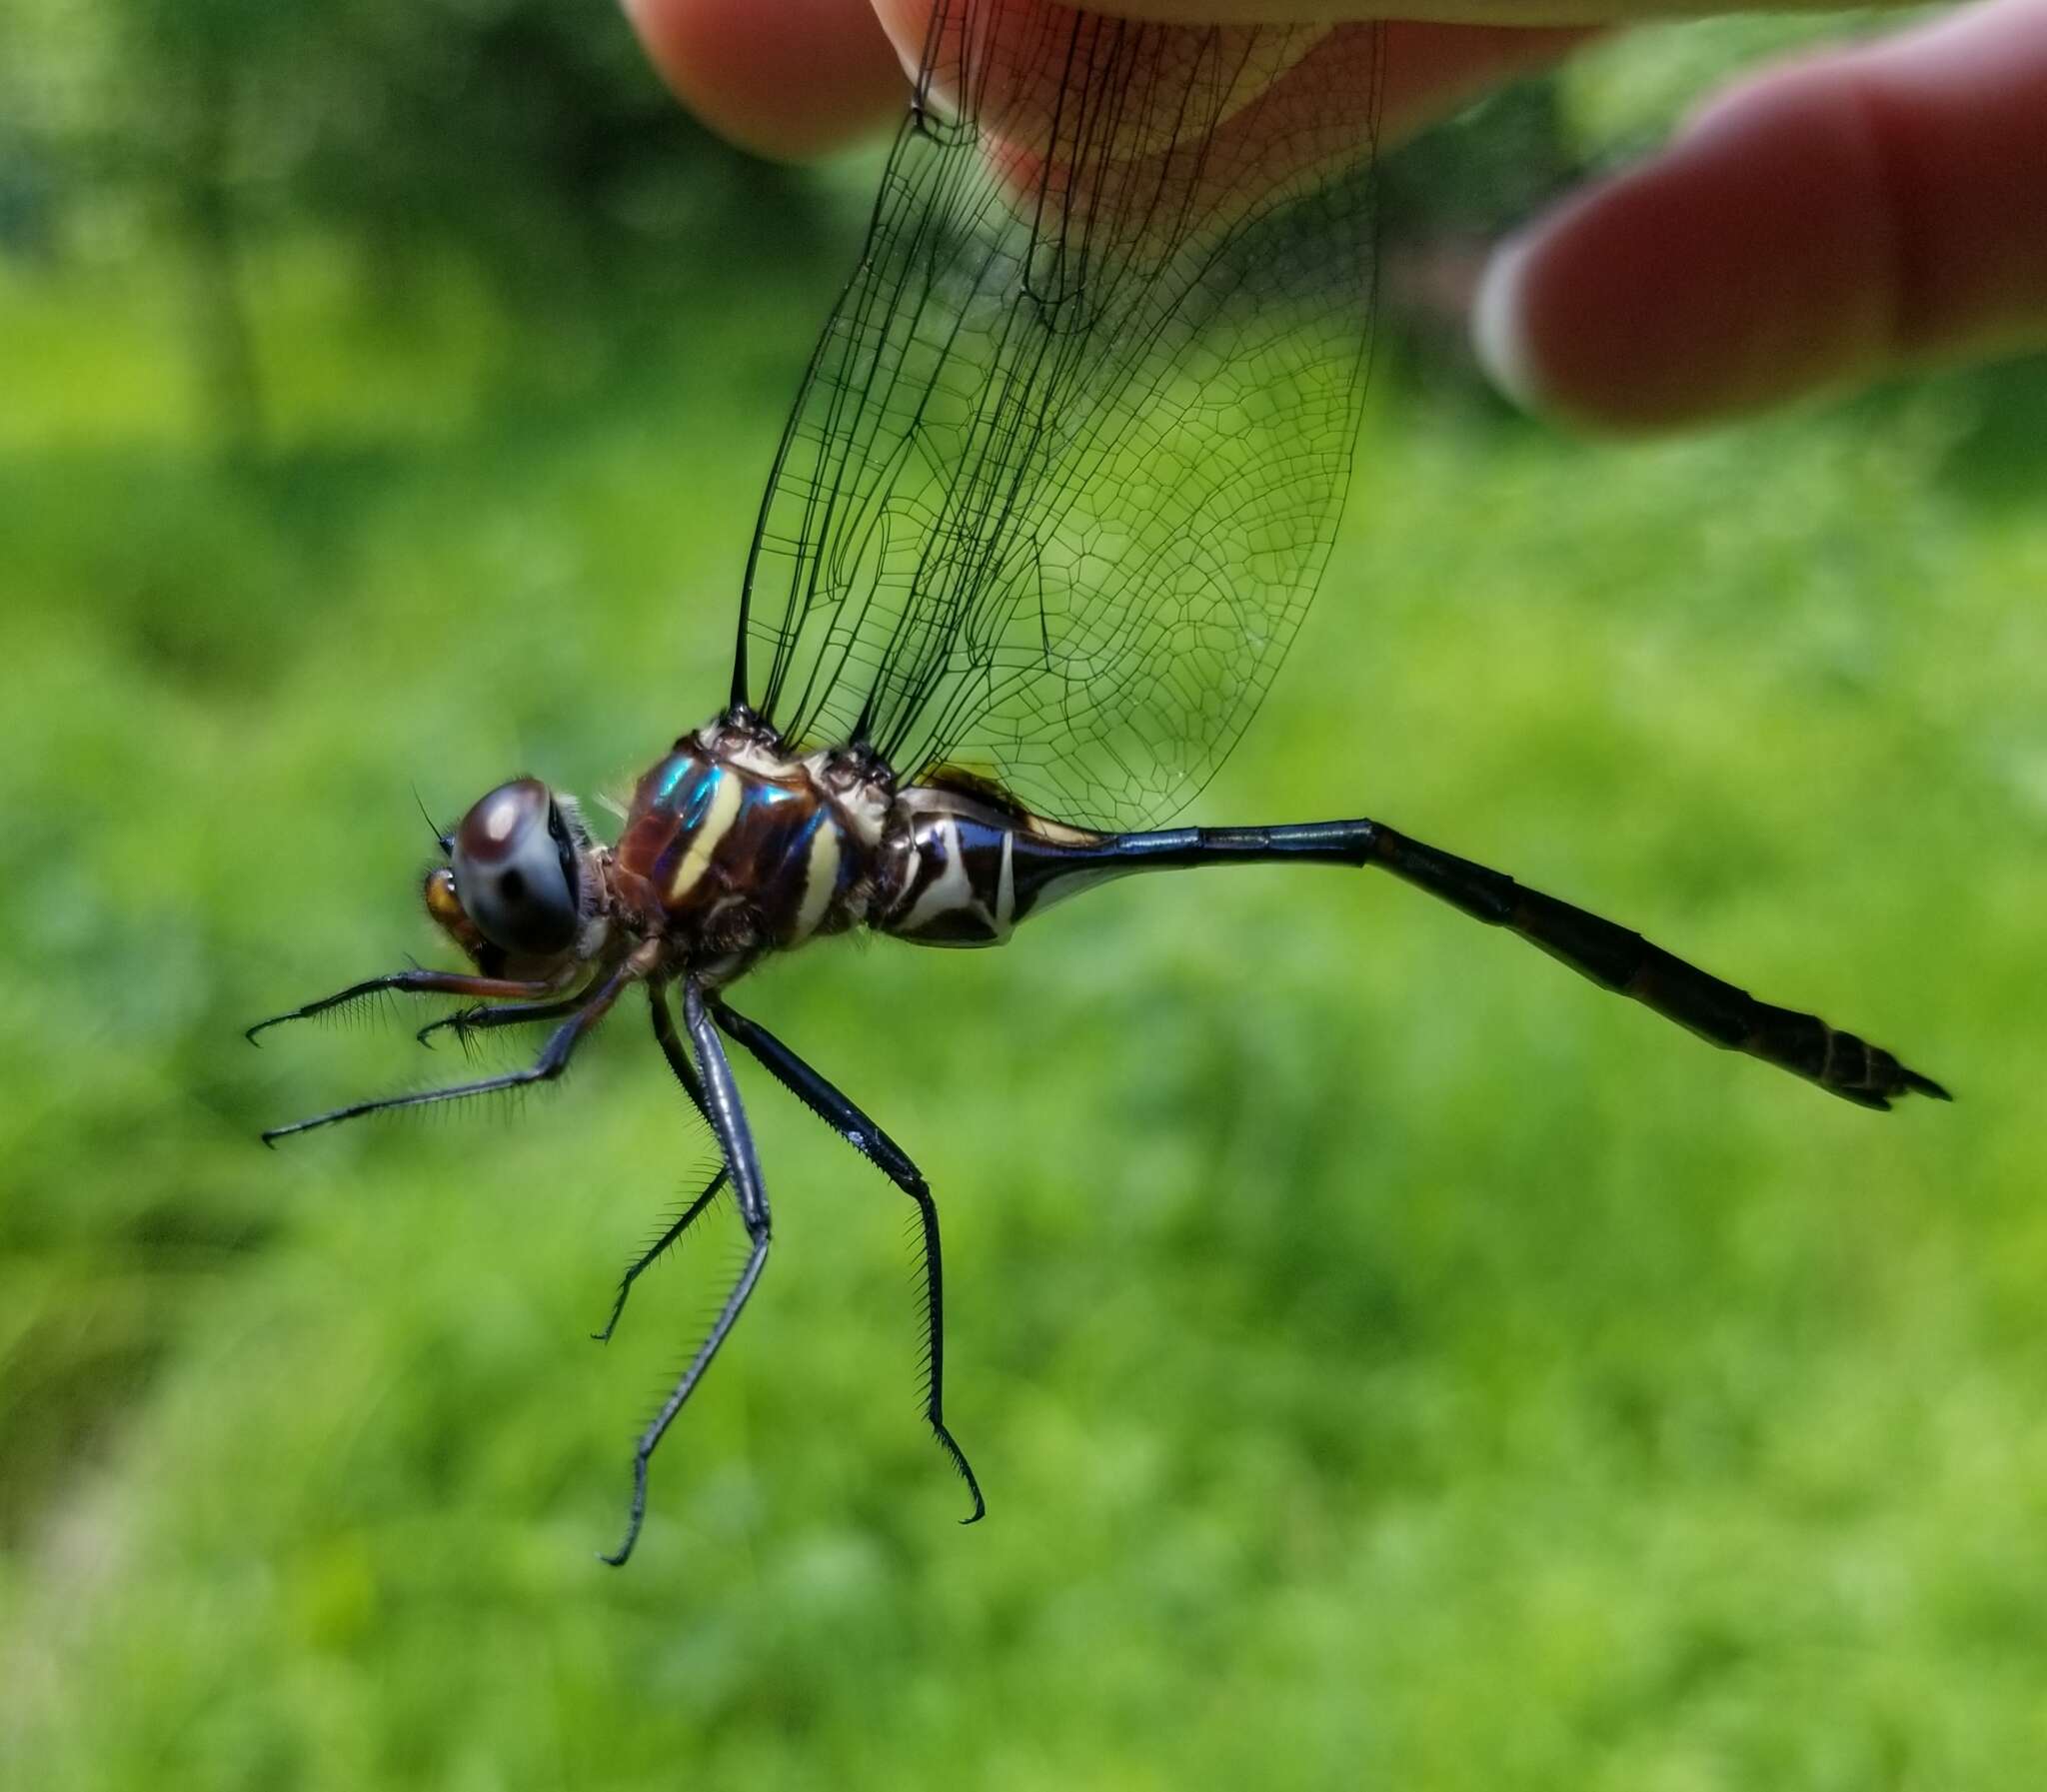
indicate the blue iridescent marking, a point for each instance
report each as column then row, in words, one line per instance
column 766, row 797
column 680, row 767
column 699, row 799
column 799, row 848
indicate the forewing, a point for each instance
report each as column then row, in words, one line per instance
column 1069, row 454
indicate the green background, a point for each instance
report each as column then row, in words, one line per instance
column 1389, row 1362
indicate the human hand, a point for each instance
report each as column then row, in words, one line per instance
column 1870, row 208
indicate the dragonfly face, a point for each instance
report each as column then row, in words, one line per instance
column 522, row 891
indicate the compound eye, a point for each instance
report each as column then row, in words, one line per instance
column 515, row 871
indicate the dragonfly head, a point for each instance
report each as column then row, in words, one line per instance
column 521, row 890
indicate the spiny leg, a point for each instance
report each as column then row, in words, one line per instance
column 422, row 982
column 648, row 1258
column 722, row 1107
column 1613, row 956
column 553, row 1060
column 829, row 1105
column 679, row 1062
column 672, row 1049
column 519, row 1013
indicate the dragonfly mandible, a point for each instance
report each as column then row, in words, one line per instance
column 1056, row 491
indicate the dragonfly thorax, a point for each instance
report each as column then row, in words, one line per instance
column 733, row 847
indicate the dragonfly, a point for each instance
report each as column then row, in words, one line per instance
column 1058, row 482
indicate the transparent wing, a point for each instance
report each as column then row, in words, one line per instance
column 1069, row 454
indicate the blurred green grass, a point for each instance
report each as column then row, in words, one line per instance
column 1389, row 1362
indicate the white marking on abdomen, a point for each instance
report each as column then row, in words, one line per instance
column 947, row 893
column 1005, row 886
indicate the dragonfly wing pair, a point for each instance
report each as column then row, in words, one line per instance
column 1069, row 453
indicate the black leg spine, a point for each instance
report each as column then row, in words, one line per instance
column 844, row 1118
column 686, row 1075
column 727, row 1117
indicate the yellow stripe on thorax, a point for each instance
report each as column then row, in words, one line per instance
column 725, row 808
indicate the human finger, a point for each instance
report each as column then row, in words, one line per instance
column 824, row 73
column 1869, row 209
column 796, row 80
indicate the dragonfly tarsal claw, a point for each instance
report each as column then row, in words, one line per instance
column 461, row 1020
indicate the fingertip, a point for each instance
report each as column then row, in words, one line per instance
column 1746, row 265
column 1500, row 331
column 1858, row 211
column 808, row 77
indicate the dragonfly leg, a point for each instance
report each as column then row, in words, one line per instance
column 735, row 1139
column 686, row 1075
column 553, row 1060
column 422, row 983
column 1613, row 956
column 840, row 1113
column 482, row 1018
